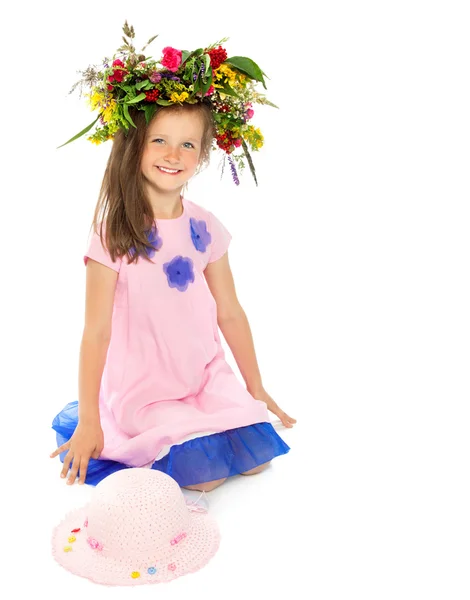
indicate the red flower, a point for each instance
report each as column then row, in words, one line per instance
column 225, row 141
column 171, row 58
column 119, row 75
column 218, row 56
column 151, row 96
column 110, row 87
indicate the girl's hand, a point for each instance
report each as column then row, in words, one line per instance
column 86, row 442
column 274, row 408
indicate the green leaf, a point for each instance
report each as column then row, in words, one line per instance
column 188, row 70
column 163, row 102
column 149, row 112
column 136, row 99
column 141, row 84
column 145, row 85
column 207, row 62
column 127, row 115
column 250, row 162
column 208, row 84
column 194, row 53
column 185, row 54
column 80, row 134
column 229, row 91
column 247, row 66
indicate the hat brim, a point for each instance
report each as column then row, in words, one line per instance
column 191, row 554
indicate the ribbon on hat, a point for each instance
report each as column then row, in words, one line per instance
column 194, row 506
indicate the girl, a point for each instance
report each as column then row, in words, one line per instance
column 155, row 389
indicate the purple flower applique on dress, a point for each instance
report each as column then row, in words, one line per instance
column 199, row 234
column 154, row 239
column 180, row 272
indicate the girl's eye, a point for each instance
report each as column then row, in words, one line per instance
column 160, row 140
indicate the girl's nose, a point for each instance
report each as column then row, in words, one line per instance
column 172, row 154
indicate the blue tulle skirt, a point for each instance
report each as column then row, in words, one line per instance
column 196, row 461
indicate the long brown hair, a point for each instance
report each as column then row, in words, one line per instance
column 123, row 206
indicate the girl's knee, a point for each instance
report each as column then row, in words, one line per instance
column 205, row 487
column 257, row 469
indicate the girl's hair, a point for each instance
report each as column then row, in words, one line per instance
column 123, row 206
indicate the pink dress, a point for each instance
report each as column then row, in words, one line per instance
column 166, row 379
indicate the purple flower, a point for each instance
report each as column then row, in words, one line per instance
column 180, row 272
column 155, row 77
column 170, row 76
column 154, row 239
column 199, row 234
column 234, row 170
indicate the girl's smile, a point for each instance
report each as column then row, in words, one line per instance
column 168, row 171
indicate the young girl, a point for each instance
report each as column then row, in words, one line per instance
column 155, row 389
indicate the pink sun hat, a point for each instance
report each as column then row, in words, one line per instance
column 137, row 528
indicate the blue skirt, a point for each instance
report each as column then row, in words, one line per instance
column 196, row 461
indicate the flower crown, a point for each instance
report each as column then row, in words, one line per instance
column 206, row 75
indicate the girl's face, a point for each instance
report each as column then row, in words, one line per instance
column 173, row 142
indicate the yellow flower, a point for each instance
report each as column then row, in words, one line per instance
column 93, row 140
column 68, row 549
column 255, row 137
column 225, row 73
column 96, row 99
column 108, row 112
column 72, row 539
column 135, row 574
column 175, row 97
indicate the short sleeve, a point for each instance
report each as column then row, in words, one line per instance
column 220, row 238
column 97, row 252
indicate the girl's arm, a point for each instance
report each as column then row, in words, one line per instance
column 234, row 325
column 87, row 440
column 100, row 288
column 233, row 322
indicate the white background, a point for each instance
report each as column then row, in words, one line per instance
column 350, row 259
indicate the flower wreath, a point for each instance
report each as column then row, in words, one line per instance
column 204, row 75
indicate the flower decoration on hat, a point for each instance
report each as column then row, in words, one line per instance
column 206, row 75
